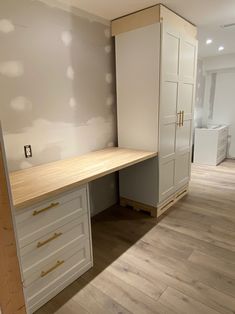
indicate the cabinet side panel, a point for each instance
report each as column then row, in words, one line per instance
column 139, row 182
column 205, row 147
column 137, row 64
column 11, row 290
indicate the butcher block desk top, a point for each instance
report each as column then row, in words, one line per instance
column 32, row 185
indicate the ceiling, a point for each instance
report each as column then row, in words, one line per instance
column 208, row 15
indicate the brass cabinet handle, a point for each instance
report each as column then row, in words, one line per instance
column 55, row 236
column 58, row 263
column 37, row 212
column 182, row 122
column 179, row 117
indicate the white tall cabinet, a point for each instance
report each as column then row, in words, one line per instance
column 156, row 55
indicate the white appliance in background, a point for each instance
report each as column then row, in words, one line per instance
column 210, row 145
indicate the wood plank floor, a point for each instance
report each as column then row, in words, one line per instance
column 184, row 264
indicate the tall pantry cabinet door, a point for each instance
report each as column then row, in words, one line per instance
column 186, row 91
column 168, row 110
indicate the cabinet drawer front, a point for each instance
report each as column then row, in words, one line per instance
column 76, row 264
column 39, row 253
column 56, row 287
column 49, row 216
column 74, row 256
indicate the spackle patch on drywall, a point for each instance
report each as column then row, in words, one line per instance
column 62, row 140
column 73, row 103
column 12, row 68
column 21, row 104
column 107, row 49
column 110, row 101
column 66, row 38
column 6, row 26
column 70, row 73
column 107, row 33
column 108, row 78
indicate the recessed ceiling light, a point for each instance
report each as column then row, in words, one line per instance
column 221, row 48
column 208, row 41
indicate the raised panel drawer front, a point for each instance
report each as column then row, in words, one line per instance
column 35, row 275
column 35, row 222
column 58, row 271
column 40, row 252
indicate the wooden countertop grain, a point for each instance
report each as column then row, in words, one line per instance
column 32, row 185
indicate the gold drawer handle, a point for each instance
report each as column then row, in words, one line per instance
column 37, row 212
column 58, row 263
column 55, row 236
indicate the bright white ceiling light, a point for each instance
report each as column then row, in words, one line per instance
column 208, row 41
column 221, row 48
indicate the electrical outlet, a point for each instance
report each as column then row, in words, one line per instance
column 28, row 151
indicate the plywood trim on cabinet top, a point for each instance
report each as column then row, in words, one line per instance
column 151, row 15
column 32, row 185
column 175, row 21
column 136, row 20
column 11, row 290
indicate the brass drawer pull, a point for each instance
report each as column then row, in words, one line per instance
column 37, row 212
column 58, row 263
column 55, row 236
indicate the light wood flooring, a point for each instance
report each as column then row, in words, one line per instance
column 184, row 264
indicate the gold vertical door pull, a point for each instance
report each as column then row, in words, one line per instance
column 182, row 118
column 179, row 118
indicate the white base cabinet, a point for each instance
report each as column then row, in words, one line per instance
column 54, row 240
column 210, row 145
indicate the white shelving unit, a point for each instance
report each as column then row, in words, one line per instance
column 210, row 147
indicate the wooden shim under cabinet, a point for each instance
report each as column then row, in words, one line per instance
column 155, row 211
column 138, row 206
column 11, row 291
column 162, row 208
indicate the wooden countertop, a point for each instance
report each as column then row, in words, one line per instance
column 35, row 184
